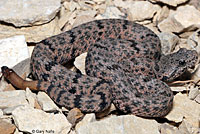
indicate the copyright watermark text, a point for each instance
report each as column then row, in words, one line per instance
column 37, row 131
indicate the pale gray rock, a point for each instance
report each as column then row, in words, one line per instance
column 197, row 99
column 31, row 97
column 12, row 98
column 23, row 67
column 182, row 106
column 196, row 74
column 194, row 92
column 88, row 118
column 111, row 12
column 142, row 10
column 28, row 12
column 195, row 3
column 185, row 18
column 168, row 42
column 17, row 131
column 1, row 113
column 170, row 2
column 194, row 40
column 168, row 129
column 32, row 34
column 13, row 50
column 80, row 62
column 162, row 14
column 9, row 110
column 120, row 125
column 179, row 88
column 46, row 102
column 28, row 119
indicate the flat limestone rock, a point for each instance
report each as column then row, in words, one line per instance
column 142, row 10
column 127, row 124
column 28, row 119
column 46, row 102
column 185, row 18
column 111, row 12
column 32, row 34
column 185, row 108
column 1, row 113
column 88, row 118
column 28, row 12
column 12, row 99
column 168, row 42
column 31, row 97
column 13, row 50
column 80, row 62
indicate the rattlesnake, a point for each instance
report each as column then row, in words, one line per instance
column 124, row 66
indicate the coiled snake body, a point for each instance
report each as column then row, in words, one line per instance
column 124, row 66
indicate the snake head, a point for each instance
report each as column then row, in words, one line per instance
column 173, row 65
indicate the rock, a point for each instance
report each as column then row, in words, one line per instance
column 89, row 12
column 195, row 3
column 168, row 129
column 197, row 99
column 194, row 40
column 30, row 48
column 23, row 68
column 178, row 88
column 187, row 128
column 80, row 62
column 28, row 13
column 9, row 110
column 170, row 2
column 82, row 19
column 30, row 120
column 13, row 50
column 196, row 74
column 63, row 17
column 4, row 86
column 185, row 18
column 162, row 14
column 182, row 109
column 168, row 42
column 88, row 118
column 71, row 5
column 118, row 125
column 142, row 10
column 17, row 131
column 193, row 93
column 122, row 3
column 111, row 12
column 32, row 34
column 74, row 116
column 1, row 113
column 6, row 128
column 183, row 44
column 183, row 128
column 12, row 99
column 72, row 132
column 46, row 102
column 31, row 97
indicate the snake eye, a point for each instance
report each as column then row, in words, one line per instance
column 182, row 62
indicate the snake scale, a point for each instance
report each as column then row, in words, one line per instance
column 124, row 66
